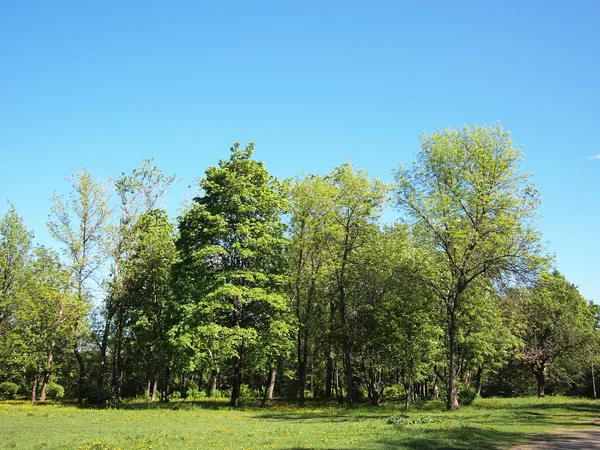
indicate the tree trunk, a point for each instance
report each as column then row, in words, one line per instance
column 34, row 389
column 301, row 382
column 47, row 372
column 212, row 383
column 346, row 342
column 81, row 363
column 478, row 380
column 541, row 382
column 238, row 371
column 110, row 312
column 272, row 377
column 453, row 359
column 154, row 388
column 330, row 374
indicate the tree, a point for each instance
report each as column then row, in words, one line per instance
column 311, row 200
column 15, row 262
column 231, row 242
column 147, row 291
column 357, row 206
column 138, row 194
column 80, row 223
column 470, row 203
column 557, row 329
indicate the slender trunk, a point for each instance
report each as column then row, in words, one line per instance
column 330, row 374
column 301, row 382
column 154, row 388
column 594, row 381
column 345, row 338
column 81, row 363
column 238, row 371
column 478, row 382
column 35, row 385
column 110, row 312
column 148, row 386
column 273, row 376
column 453, row 359
column 264, row 399
column 269, row 384
column 331, row 354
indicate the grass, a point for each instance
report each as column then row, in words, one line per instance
column 487, row 423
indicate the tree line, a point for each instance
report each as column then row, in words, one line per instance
column 297, row 287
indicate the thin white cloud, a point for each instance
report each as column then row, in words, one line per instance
column 594, row 156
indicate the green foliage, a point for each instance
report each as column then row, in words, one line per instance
column 8, row 390
column 100, row 396
column 232, row 270
column 55, row 391
column 175, row 395
column 194, row 393
column 466, row 394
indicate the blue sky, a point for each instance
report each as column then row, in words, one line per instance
column 105, row 84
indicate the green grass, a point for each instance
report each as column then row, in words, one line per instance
column 487, row 423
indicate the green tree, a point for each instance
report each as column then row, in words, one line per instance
column 147, row 290
column 138, row 193
column 15, row 261
column 357, row 206
column 557, row 329
column 471, row 204
column 81, row 224
column 311, row 200
column 232, row 242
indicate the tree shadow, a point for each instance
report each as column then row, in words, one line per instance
column 464, row 437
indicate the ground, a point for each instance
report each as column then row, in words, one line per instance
column 524, row 423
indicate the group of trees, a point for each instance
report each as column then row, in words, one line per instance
column 297, row 285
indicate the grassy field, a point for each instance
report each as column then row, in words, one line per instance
column 487, row 423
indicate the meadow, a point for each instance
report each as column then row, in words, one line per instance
column 487, row 423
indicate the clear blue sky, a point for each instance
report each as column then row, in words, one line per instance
column 105, row 84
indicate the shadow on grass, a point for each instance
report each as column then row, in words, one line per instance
column 464, row 437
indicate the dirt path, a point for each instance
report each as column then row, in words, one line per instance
column 564, row 439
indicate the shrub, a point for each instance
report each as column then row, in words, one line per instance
column 8, row 390
column 392, row 392
column 175, row 395
column 246, row 392
column 193, row 393
column 55, row 391
column 100, row 396
column 466, row 395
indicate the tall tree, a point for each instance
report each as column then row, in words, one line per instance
column 232, row 241
column 15, row 262
column 357, row 206
column 470, row 202
column 80, row 223
column 138, row 193
column 309, row 264
column 147, row 289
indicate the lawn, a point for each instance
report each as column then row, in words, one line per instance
column 487, row 423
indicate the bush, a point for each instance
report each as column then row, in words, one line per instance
column 100, row 396
column 193, row 393
column 466, row 395
column 8, row 390
column 246, row 392
column 392, row 392
column 55, row 391
column 175, row 395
